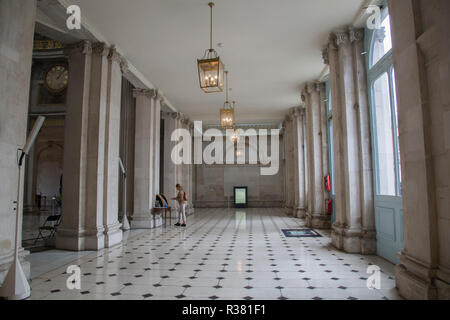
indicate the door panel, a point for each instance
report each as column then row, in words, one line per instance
column 389, row 226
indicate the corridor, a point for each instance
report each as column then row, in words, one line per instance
column 222, row 254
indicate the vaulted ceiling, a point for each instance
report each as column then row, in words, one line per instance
column 270, row 47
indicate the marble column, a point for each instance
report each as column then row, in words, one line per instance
column 316, row 216
column 299, row 208
column 324, row 141
column 305, row 160
column 421, row 49
column 17, row 19
column 90, row 175
column 146, row 170
column 169, row 174
column 116, row 67
column 353, row 230
column 289, row 165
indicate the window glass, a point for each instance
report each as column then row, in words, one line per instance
column 382, row 42
column 399, row 167
column 384, row 137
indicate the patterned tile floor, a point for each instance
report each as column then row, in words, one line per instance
column 222, row 254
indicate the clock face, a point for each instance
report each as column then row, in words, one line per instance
column 56, row 78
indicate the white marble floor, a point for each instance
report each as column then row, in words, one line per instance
column 222, row 254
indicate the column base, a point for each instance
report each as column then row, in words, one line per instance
column 7, row 259
column 348, row 240
column 318, row 220
column 288, row 210
column 146, row 222
column 80, row 240
column 337, row 236
column 300, row 213
column 113, row 235
column 369, row 242
column 415, row 281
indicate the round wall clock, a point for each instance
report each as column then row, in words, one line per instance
column 56, row 78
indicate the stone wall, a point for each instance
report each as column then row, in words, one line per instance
column 16, row 39
column 421, row 60
column 214, row 184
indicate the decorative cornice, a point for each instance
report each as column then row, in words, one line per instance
column 81, row 47
column 356, row 35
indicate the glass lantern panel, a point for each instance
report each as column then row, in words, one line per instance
column 211, row 75
column 226, row 118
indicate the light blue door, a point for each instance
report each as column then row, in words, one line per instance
column 385, row 146
column 389, row 226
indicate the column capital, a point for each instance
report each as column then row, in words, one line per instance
column 81, row 47
column 325, row 55
column 176, row 115
column 114, row 56
column 296, row 112
column 331, row 45
column 320, row 86
column 356, row 35
column 303, row 94
column 159, row 96
column 149, row 93
column 100, row 48
column 341, row 38
column 310, row 87
column 288, row 118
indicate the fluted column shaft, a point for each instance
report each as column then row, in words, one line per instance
column 353, row 230
column 316, row 216
column 146, row 171
column 90, row 176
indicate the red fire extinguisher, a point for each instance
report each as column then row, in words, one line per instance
column 328, row 202
column 327, row 181
column 329, row 206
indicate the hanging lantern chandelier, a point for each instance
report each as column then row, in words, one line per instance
column 227, row 112
column 210, row 67
column 235, row 137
